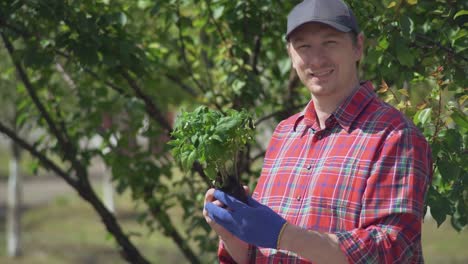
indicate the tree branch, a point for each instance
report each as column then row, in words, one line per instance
column 279, row 112
column 197, row 167
column 439, row 45
column 121, row 90
column 293, row 83
column 18, row 31
column 218, row 28
column 113, row 86
column 152, row 109
column 116, row 88
column 259, row 155
column 256, row 51
column 47, row 163
column 72, row 85
column 207, row 61
column 182, row 85
column 68, row 149
column 85, row 190
column 169, row 229
column 220, row 32
column 66, row 77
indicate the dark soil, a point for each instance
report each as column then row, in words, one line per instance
column 235, row 189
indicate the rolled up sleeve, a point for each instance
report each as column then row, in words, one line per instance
column 390, row 222
column 223, row 254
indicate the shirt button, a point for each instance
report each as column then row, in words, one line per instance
column 309, row 167
column 298, row 198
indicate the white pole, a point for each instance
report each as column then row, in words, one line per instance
column 107, row 189
column 13, row 223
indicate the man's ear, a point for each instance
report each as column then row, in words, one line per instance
column 288, row 48
column 288, row 44
column 359, row 46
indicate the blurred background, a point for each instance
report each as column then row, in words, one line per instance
column 90, row 92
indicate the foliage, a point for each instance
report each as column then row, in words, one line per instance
column 423, row 73
column 115, row 71
column 215, row 140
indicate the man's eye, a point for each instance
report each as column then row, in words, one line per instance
column 330, row 42
column 304, row 46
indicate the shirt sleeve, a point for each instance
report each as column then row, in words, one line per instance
column 389, row 228
column 223, row 254
column 225, row 258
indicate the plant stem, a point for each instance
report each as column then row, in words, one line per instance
column 236, row 172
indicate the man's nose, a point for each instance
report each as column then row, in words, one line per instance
column 316, row 57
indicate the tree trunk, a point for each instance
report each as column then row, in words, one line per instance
column 127, row 249
column 14, row 202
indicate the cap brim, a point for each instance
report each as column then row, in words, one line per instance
column 332, row 24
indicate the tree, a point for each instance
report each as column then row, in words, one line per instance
column 425, row 70
column 141, row 60
column 14, row 190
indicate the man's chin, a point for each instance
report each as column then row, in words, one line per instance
column 320, row 90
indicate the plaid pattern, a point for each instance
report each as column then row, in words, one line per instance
column 364, row 178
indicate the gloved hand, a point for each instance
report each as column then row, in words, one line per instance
column 253, row 223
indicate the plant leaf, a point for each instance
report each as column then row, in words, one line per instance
column 460, row 13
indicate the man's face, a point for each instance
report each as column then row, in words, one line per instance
column 325, row 59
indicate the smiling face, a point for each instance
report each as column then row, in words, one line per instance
column 325, row 59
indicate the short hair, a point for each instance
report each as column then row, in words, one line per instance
column 354, row 37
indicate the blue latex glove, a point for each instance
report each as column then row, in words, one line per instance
column 253, row 223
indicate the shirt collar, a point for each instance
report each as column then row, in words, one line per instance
column 346, row 113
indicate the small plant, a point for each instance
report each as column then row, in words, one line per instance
column 214, row 140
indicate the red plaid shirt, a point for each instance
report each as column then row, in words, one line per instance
column 364, row 178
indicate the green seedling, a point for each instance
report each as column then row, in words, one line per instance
column 214, row 140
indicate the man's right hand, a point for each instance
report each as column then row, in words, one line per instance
column 222, row 232
column 237, row 248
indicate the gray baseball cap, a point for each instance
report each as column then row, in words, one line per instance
column 334, row 13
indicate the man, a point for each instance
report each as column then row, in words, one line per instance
column 342, row 181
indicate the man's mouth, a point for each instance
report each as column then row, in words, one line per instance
column 321, row 73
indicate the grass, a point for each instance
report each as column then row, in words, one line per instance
column 444, row 244
column 69, row 231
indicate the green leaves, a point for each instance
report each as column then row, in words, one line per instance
column 212, row 138
column 404, row 54
column 460, row 119
column 460, row 13
column 440, row 206
column 122, row 18
column 407, row 26
column 422, row 116
column 407, row 50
